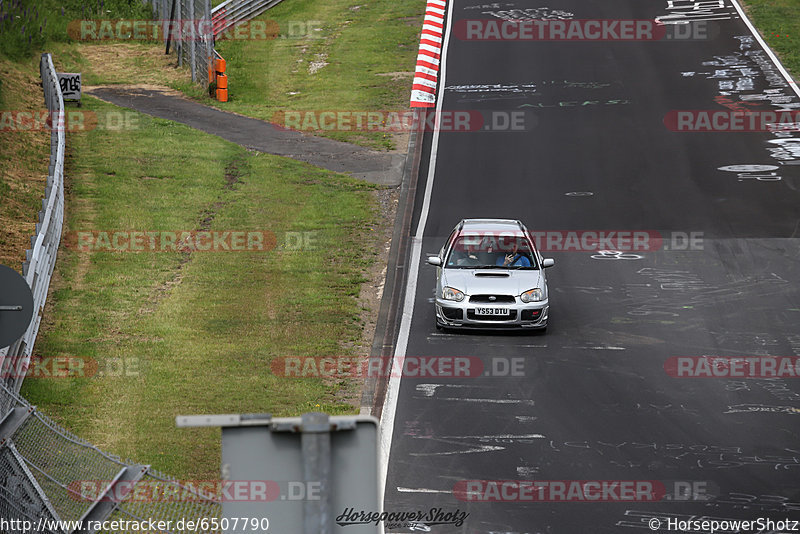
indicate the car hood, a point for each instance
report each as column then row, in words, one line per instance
column 492, row 281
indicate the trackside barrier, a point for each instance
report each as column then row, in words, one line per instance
column 217, row 77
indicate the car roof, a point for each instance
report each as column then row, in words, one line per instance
column 492, row 225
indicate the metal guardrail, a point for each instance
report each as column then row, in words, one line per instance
column 232, row 12
column 41, row 257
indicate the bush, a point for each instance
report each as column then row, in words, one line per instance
column 27, row 25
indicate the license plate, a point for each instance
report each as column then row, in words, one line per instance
column 491, row 311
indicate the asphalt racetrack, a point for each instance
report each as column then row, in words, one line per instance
column 593, row 399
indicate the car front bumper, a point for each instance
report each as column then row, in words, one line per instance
column 453, row 314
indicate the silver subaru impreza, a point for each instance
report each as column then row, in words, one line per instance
column 489, row 275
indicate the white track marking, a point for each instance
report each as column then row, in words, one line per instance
column 598, row 347
column 421, row 490
column 525, row 418
column 480, row 448
column 498, row 436
column 392, row 392
column 430, row 389
column 487, row 401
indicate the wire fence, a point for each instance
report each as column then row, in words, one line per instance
column 47, row 473
column 191, row 27
column 41, row 257
column 187, row 31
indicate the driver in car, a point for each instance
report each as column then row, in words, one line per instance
column 513, row 259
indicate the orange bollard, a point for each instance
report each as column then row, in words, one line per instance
column 222, row 81
column 219, row 65
column 222, row 95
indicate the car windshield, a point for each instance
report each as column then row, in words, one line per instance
column 491, row 252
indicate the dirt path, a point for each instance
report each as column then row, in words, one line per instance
column 376, row 167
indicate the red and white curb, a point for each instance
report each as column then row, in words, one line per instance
column 423, row 92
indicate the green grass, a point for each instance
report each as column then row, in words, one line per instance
column 359, row 40
column 779, row 24
column 24, row 156
column 195, row 333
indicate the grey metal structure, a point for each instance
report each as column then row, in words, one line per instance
column 332, row 459
column 16, row 306
column 45, row 470
column 232, row 12
column 41, row 257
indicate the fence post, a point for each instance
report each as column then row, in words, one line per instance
column 209, row 51
column 193, row 42
column 170, row 27
column 179, row 44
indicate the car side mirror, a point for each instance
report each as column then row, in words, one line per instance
column 434, row 260
column 548, row 262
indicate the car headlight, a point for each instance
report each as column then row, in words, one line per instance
column 532, row 295
column 449, row 293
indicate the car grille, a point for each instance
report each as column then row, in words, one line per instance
column 452, row 313
column 510, row 317
column 498, row 299
column 531, row 315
